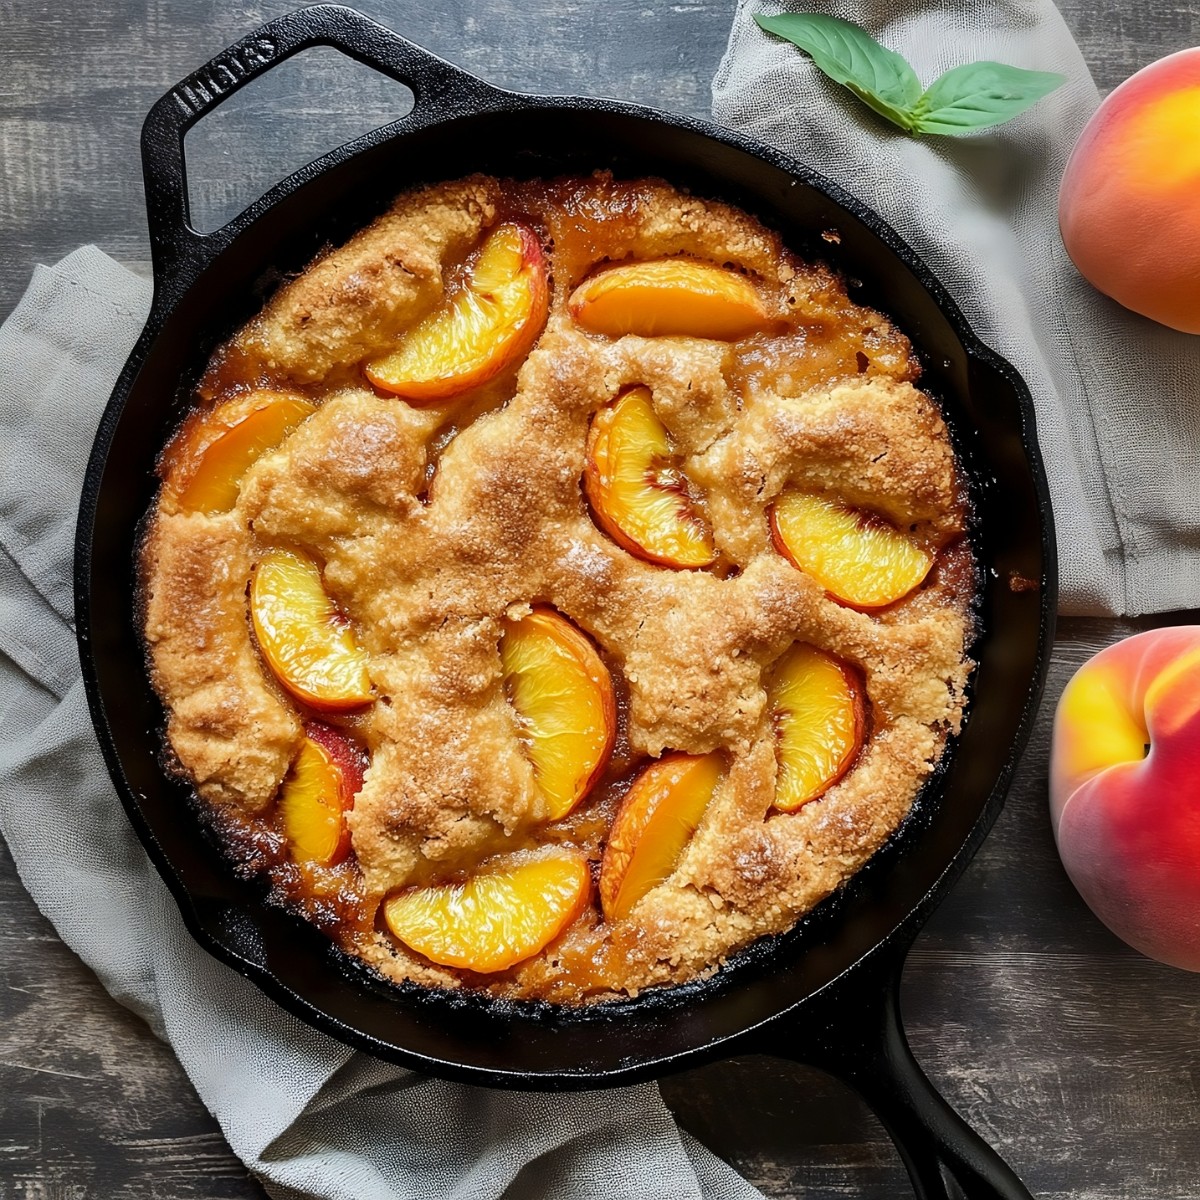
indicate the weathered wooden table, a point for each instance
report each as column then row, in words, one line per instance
column 1078, row 1059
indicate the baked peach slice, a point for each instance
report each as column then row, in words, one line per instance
column 563, row 697
column 212, row 484
column 304, row 639
column 669, row 297
column 858, row 557
column 817, row 704
column 662, row 809
column 483, row 328
column 638, row 493
column 496, row 918
column 318, row 792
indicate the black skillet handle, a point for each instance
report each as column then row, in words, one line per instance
column 179, row 251
column 853, row 1031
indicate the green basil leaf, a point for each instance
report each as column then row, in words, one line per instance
column 852, row 57
column 980, row 94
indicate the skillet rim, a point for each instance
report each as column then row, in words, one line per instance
column 167, row 299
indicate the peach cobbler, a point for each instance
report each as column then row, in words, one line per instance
column 558, row 587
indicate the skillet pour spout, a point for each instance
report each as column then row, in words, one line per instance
column 824, row 994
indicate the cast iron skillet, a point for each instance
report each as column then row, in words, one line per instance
column 825, row 994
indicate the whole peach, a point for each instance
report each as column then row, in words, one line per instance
column 1128, row 207
column 1125, row 790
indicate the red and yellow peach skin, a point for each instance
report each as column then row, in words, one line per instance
column 1125, row 790
column 1128, row 206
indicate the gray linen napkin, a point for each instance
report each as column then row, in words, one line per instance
column 1118, row 404
column 309, row 1116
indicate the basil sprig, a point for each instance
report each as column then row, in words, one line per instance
column 973, row 96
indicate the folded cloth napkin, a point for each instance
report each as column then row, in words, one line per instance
column 309, row 1116
column 1116, row 395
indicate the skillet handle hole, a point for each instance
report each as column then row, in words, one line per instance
column 301, row 109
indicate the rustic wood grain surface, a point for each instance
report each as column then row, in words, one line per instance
column 1078, row 1059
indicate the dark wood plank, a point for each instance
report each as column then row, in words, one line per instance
column 1072, row 1054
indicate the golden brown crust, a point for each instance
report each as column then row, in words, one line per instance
column 231, row 730
column 355, row 302
column 427, row 573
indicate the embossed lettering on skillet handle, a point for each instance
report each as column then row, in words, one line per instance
column 179, row 252
column 202, row 89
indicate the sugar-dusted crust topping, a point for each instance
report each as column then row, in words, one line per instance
column 436, row 524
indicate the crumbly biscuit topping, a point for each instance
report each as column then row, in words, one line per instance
column 435, row 525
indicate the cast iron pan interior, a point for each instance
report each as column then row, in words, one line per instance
column 205, row 287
